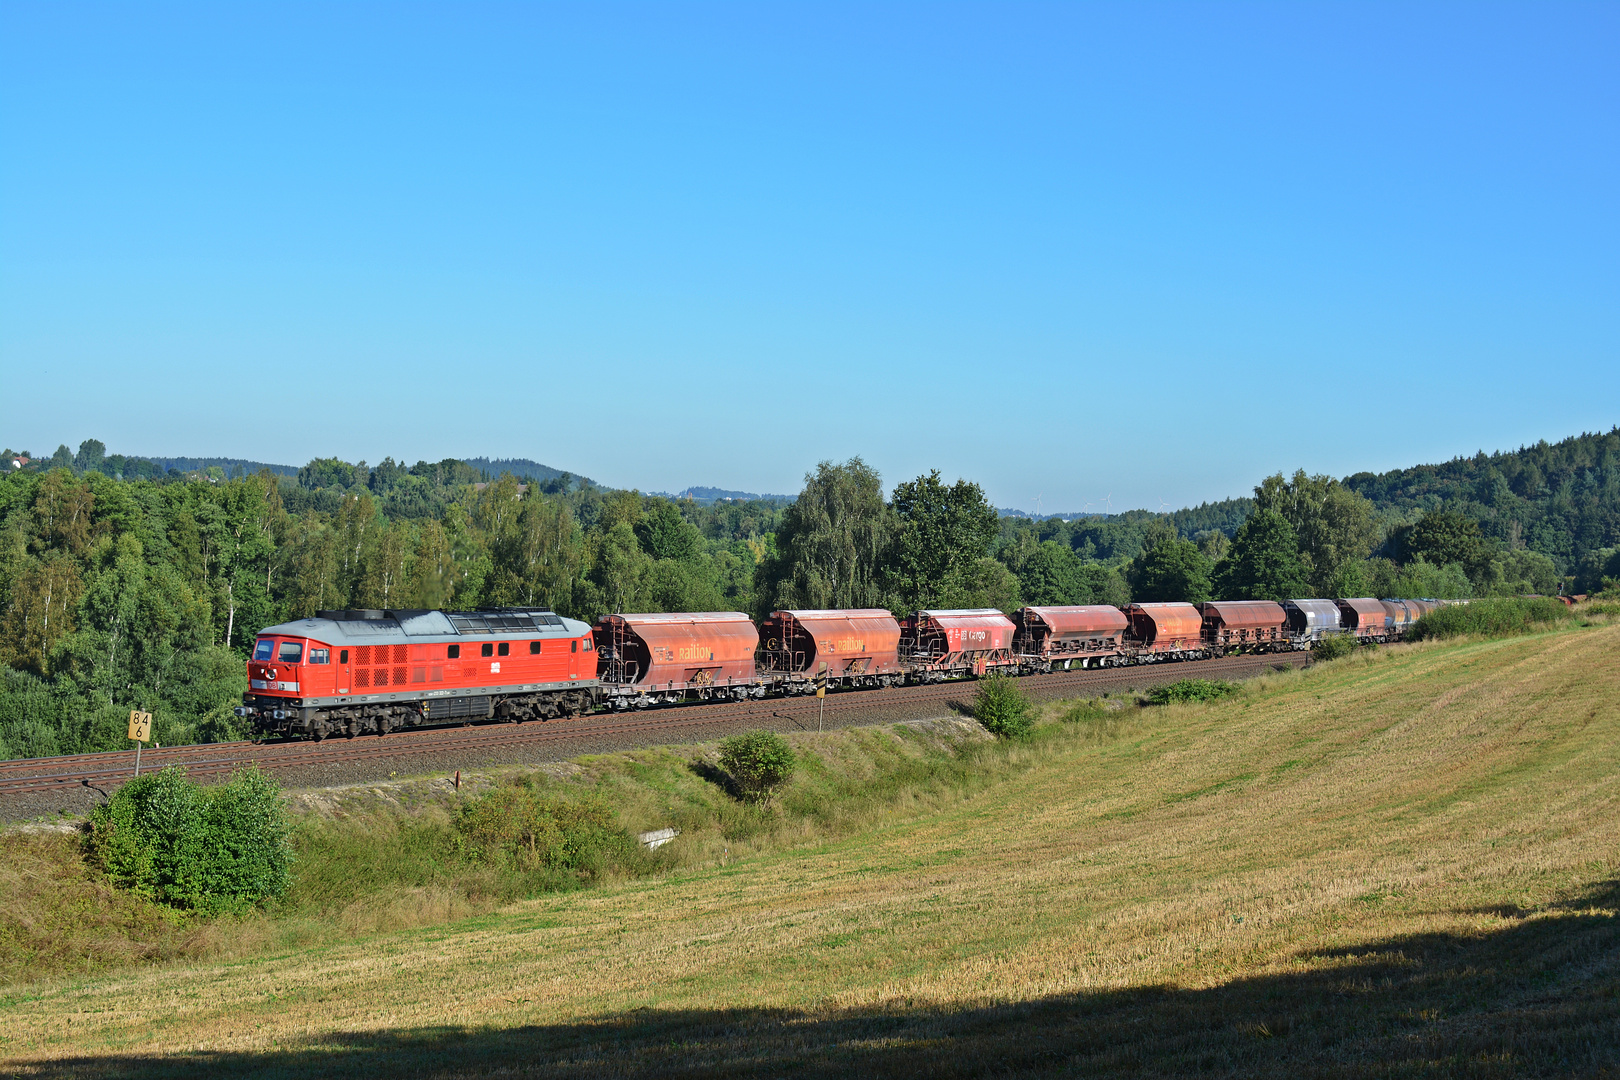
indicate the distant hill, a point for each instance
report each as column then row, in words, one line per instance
column 524, row 469
column 1007, row 511
column 714, row 494
column 1561, row 499
column 229, row 464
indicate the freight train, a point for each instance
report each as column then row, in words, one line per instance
column 365, row 671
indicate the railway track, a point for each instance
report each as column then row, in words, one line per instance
column 105, row 771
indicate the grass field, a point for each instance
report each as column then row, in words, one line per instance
column 1401, row 864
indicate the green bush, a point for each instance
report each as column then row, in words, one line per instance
column 210, row 850
column 759, row 762
column 518, row 826
column 1002, row 708
column 1191, row 690
column 1497, row 617
column 1333, row 646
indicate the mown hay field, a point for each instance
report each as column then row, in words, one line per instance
column 1397, row 864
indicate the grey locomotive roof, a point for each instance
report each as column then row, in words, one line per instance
column 367, row 627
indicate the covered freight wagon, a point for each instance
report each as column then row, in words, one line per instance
column 942, row 643
column 1082, row 635
column 854, row 646
column 667, row 657
column 1365, row 617
column 1243, row 624
column 1401, row 617
column 1310, row 620
column 1165, row 631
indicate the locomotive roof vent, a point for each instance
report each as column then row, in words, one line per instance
column 501, row 621
column 354, row 615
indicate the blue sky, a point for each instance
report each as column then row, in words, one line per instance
column 1123, row 255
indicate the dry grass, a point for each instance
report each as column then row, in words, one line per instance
column 1395, row 864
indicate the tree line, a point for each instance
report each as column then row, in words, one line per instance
column 146, row 592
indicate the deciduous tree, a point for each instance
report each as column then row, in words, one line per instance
column 1264, row 563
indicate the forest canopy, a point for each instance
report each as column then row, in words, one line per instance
column 125, row 586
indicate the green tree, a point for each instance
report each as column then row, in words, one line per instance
column 1000, row 705
column 940, row 535
column 665, row 534
column 1595, row 568
column 1052, row 575
column 332, row 473
column 92, row 454
column 1333, row 525
column 831, row 543
column 621, row 569
column 1171, row 570
column 1515, row 573
column 1444, row 537
column 1264, row 563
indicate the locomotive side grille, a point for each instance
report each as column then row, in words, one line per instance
column 401, row 653
column 362, row 654
column 399, row 673
column 362, row 678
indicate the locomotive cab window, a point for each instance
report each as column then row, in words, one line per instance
column 318, row 656
column 290, row 652
column 503, row 649
column 575, row 645
column 487, row 649
column 453, row 652
column 265, row 649
column 534, row 648
column 343, row 656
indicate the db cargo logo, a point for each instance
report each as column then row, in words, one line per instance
column 975, row 636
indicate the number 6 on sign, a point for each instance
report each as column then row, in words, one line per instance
column 140, row 726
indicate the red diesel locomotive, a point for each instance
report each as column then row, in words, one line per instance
column 352, row 672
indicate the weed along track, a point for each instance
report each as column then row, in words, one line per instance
column 23, row 782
